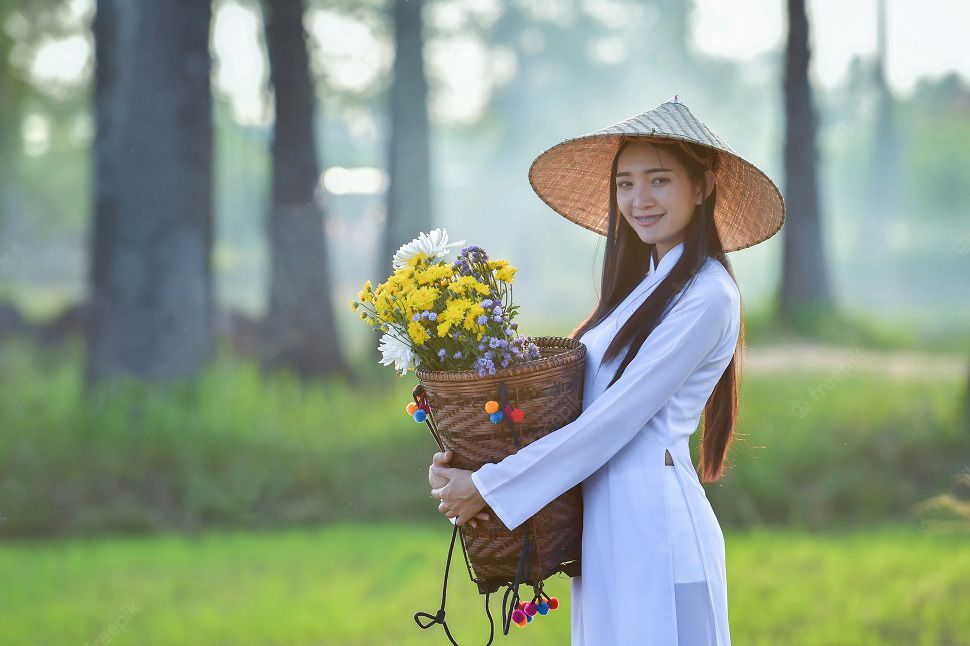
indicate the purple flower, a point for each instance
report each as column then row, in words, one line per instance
column 442, row 352
column 487, row 302
column 482, row 320
column 485, row 365
column 457, row 355
column 432, row 316
column 514, row 326
column 497, row 309
column 497, row 318
column 416, row 317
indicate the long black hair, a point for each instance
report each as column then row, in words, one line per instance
column 625, row 263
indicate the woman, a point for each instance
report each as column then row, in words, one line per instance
column 663, row 347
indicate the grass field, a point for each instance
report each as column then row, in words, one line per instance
column 361, row 584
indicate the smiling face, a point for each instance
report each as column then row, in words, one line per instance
column 655, row 194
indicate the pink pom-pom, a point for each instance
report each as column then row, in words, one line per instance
column 531, row 609
column 519, row 617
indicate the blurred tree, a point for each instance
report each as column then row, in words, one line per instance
column 300, row 328
column 23, row 24
column 408, row 209
column 884, row 176
column 805, row 282
column 151, row 282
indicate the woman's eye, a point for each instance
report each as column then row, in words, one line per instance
column 660, row 179
column 620, row 184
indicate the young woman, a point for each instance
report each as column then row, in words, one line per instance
column 663, row 348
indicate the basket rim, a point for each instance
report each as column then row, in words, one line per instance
column 575, row 350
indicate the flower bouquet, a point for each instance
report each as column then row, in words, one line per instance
column 484, row 391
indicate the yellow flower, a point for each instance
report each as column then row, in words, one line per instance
column 455, row 310
column 422, row 298
column 443, row 327
column 354, row 305
column 473, row 313
column 417, row 332
column 419, row 257
column 505, row 274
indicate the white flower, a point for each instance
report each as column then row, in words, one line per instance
column 435, row 244
column 395, row 351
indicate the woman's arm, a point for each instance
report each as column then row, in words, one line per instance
column 526, row 481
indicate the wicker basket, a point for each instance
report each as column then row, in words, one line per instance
column 549, row 391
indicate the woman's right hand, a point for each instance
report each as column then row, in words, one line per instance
column 437, row 480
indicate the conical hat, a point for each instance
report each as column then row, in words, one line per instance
column 573, row 177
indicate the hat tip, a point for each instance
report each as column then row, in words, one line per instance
column 674, row 99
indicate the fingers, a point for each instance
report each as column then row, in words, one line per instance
column 442, row 459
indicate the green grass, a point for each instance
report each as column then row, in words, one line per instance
column 236, row 448
column 361, row 584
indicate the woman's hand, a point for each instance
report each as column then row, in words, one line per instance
column 456, row 490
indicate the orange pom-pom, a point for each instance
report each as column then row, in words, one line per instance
column 491, row 407
column 411, row 408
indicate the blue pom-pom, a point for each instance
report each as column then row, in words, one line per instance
column 530, row 618
column 543, row 608
column 496, row 417
column 420, row 415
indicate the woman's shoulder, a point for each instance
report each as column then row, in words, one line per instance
column 714, row 285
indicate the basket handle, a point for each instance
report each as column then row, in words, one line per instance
column 439, row 617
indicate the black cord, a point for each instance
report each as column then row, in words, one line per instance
column 439, row 617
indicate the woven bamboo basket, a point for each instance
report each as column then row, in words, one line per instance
column 549, row 390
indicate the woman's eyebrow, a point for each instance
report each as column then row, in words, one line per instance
column 624, row 173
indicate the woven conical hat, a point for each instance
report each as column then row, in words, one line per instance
column 573, row 177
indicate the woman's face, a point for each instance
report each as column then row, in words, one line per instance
column 655, row 194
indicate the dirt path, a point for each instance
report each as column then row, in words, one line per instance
column 779, row 359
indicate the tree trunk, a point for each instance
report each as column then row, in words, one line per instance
column 805, row 282
column 409, row 166
column 150, row 273
column 301, row 329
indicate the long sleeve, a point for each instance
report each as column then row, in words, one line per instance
column 520, row 485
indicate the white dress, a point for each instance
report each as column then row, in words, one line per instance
column 653, row 566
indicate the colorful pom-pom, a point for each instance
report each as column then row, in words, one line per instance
column 553, row 603
column 543, row 608
column 517, row 415
column 519, row 617
column 496, row 417
column 508, row 409
column 491, row 406
column 411, row 408
column 531, row 609
column 530, row 618
column 420, row 416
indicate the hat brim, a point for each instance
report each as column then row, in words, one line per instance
column 573, row 178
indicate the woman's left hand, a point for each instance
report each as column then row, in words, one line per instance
column 459, row 498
